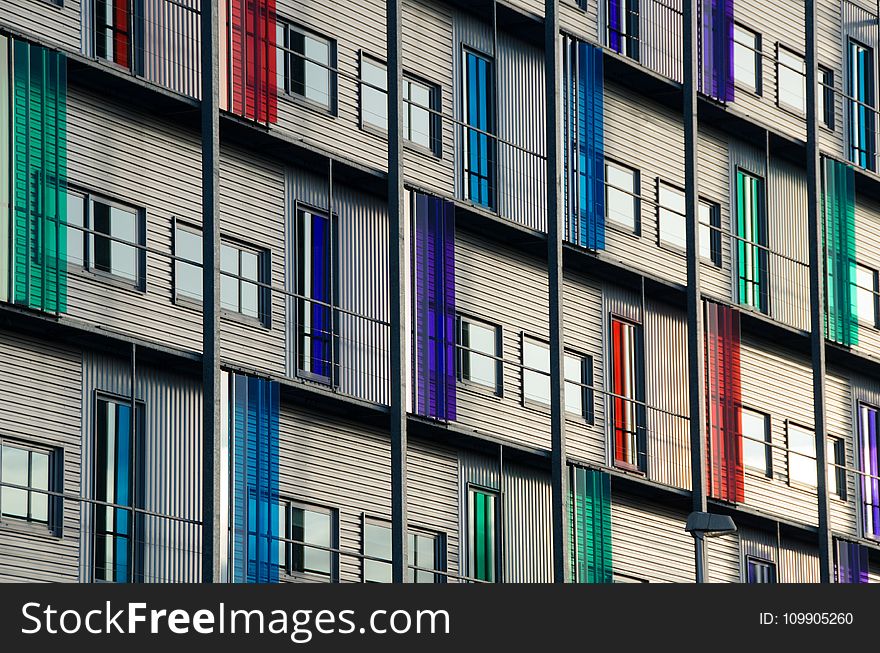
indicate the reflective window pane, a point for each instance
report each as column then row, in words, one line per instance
column 746, row 58
column 756, row 451
column 15, row 472
column 802, row 455
column 671, row 212
column 620, row 196
column 75, row 237
column 114, row 255
column 229, row 281
column 377, row 544
column 574, row 392
column 477, row 339
column 536, row 384
column 866, row 296
column 374, row 101
column 791, row 80
column 188, row 276
column 308, row 66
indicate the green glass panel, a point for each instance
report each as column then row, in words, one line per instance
column 751, row 241
column 5, row 167
column 483, row 534
column 838, row 214
column 590, row 530
column 40, row 178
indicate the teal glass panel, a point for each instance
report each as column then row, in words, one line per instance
column 839, row 222
column 5, row 161
column 590, row 526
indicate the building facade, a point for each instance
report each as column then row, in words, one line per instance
column 631, row 271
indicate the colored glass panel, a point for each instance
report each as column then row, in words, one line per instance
column 627, row 407
column 480, row 147
column 590, row 520
column 869, row 465
column 852, row 562
column 314, row 285
column 860, row 105
column 248, row 59
column 482, row 511
column 751, row 242
column 716, row 49
column 839, row 220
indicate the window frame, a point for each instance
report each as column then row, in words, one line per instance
column 639, row 382
column 440, row 547
column 767, row 472
column 792, row 482
column 875, row 276
column 758, row 89
column 848, row 71
column 660, row 208
column 490, row 134
column 587, row 412
column 636, row 194
column 54, row 525
column 88, row 234
column 471, row 384
column 496, row 529
column 284, row 90
column 715, row 236
column 762, row 284
column 286, row 569
column 264, row 271
column 836, row 466
column 176, row 296
column 827, row 91
column 782, row 104
column 770, row 564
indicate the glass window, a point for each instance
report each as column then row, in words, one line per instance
column 671, row 216
column 479, row 353
column 860, row 105
column 313, row 530
column 760, row 571
column 239, row 276
column 621, row 196
column 825, row 97
column 112, row 32
column 747, row 58
column 315, row 262
column 76, row 222
column 835, row 456
column 188, row 273
column 423, row 551
column 116, row 543
column 866, row 295
column 31, row 469
column 479, row 117
column 801, row 455
column 482, row 522
column 623, row 27
column 791, row 80
column 751, row 242
column 869, row 465
column 710, row 232
column 757, row 453
column 374, row 101
column 536, row 381
column 306, row 65
column 626, row 381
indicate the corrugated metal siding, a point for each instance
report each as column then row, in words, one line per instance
column 796, row 562
column 172, row 466
column 649, row 541
column 362, row 283
column 58, row 26
column 525, row 516
column 505, row 288
column 583, row 324
column 666, row 393
column 660, row 37
column 840, row 407
column 172, row 45
column 39, row 403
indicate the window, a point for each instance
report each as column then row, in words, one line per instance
column 791, row 80
column 623, row 27
column 316, row 528
column 801, row 455
column 306, row 63
column 836, row 460
column 479, row 354
column 710, row 232
column 424, row 551
column 671, row 216
column 622, row 196
column 825, row 97
column 118, row 540
column 116, row 247
column 866, row 295
column 479, row 116
column 33, row 468
column 482, row 523
column 187, row 273
column 747, row 59
column 860, row 105
column 316, row 295
column 627, row 395
column 112, row 33
column 757, row 452
column 241, row 270
column 760, row 571
column 536, row 384
column 751, row 242
column 869, row 466
column 421, row 127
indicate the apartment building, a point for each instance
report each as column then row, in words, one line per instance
column 488, row 380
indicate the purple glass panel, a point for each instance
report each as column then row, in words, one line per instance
column 434, row 328
column 716, row 49
column 871, row 469
column 615, row 41
column 852, row 562
column 320, row 313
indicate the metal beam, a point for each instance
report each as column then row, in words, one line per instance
column 817, row 302
column 396, row 272
column 555, row 211
column 211, row 293
column 696, row 380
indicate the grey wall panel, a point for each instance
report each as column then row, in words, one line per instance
column 714, row 182
column 666, row 393
column 583, row 23
column 796, row 561
column 779, row 385
column 39, row 404
column 829, row 16
column 46, row 22
column 525, row 515
column 723, row 559
column 840, row 406
column 504, row 288
column 660, row 37
column 582, row 303
column 649, row 542
column 362, row 283
column 172, row 445
column 252, row 214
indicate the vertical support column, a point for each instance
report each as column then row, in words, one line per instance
column 817, row 302
column 555, row 212
column 396, row 277
column 696, row 378
column 211, row 294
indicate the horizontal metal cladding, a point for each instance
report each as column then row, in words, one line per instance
column 508, row 290
column 46, row 22
column 785, row 26
column 252, row 214
column 796, row 562
column 525, row 515
column 649, row 542
column 778, row 385
column 829, row 42
column 39, row 403
column 172, row 465
column 666, row 393
column 842, row 392
column 660, row 156
column 580, row 21
column 714, row 181
column 868, row 255
column 583, row 326
column 723, row 559
column 362, row 269
column 146, row 163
